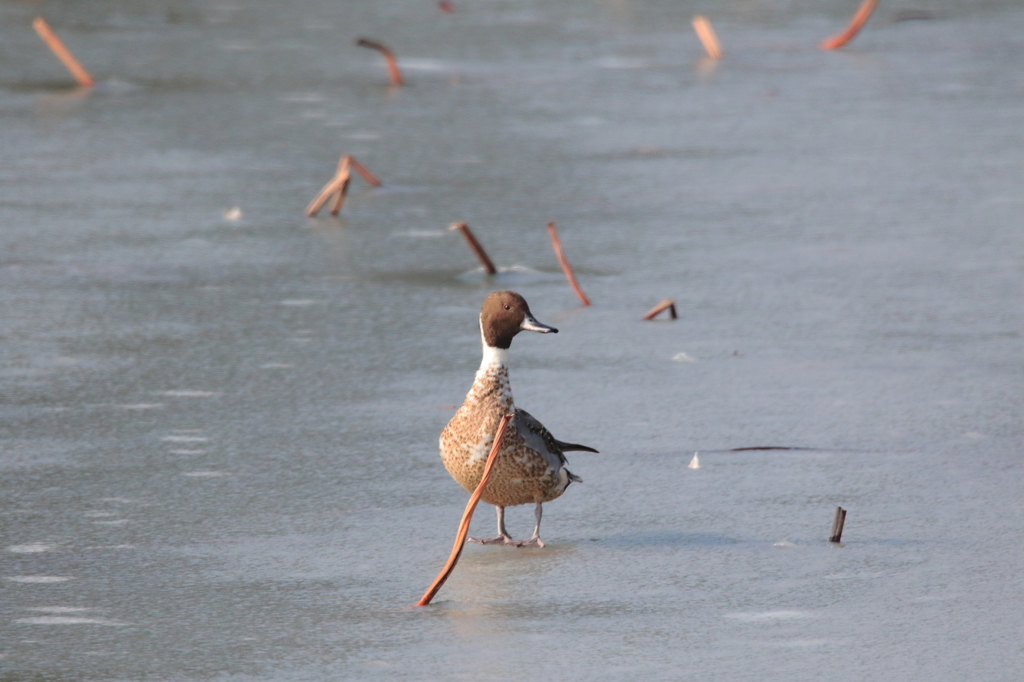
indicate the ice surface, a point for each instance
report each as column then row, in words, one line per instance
column 841, row 233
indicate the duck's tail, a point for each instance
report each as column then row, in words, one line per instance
column 569, row 447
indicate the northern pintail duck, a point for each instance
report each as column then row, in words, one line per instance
column 530, row 466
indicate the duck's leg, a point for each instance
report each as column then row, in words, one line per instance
column 534, row 540
column 503, row 537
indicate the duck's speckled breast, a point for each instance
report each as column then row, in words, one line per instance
column 520, row 475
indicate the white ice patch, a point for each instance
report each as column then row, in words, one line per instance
column 30, row 548
column 206, row 474
column 140, row 406
column 237, row 46
column 39, row 579
column 189, row 394
column 234, row 214
column 510, row 276
column 422, row 234
column 412, row 64
column 768, row 616
column 188, row 452
column 620, row 63
column 184, row 439
column 68, row 620
column 801, row 643
column 57, row 609
column 304, row 98
column 683, row 357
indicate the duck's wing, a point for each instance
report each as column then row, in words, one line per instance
column 538, row 438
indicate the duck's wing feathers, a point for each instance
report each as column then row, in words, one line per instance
column 538, row 438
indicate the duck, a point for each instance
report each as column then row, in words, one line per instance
column 530, row 466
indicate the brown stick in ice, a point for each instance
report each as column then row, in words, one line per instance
column 63, row 54
column 475, row 246
column 838, row 521
column 460, row 537
column 707, row 36
column 389, row 57
column 338, row 184
column 361, row 169
column 566, row 268
column 667, row 304
column 859, row 19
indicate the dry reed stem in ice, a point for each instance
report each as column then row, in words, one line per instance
column 338, row 186
column 707, row 36
column 467, row 516
column 566, row 268
column 63, row 54
column 389, row 57
column 838, row 521
column 361, row 169
column 859, row 19
column 667, row 304
column 481, row 255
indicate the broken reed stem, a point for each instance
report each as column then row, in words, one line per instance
column 859, row 19
column 63, row 54
column 837, row 525
column 339, row 197
column 338, row 186
column 667, row 304
column 707, row 36
column 389, row 57
column 475, row 246
column 566, row 268
column 367, row 175
column 467, row 516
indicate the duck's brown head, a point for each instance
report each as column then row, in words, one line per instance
column 505, row 314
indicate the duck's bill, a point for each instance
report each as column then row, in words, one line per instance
column 530, row 324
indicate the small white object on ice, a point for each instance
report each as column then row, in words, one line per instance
column 784, row 543
column 233, row 213
column 683, row 357
column 694, row 463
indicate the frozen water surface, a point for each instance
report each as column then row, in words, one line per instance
column 842, row 234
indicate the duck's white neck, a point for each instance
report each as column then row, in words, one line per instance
column 491, row 381
column 494, row 359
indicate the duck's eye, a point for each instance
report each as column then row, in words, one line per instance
column 508, row 307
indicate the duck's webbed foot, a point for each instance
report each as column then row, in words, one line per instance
column 505, row 539
column 502, row 538
column 535, row 541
